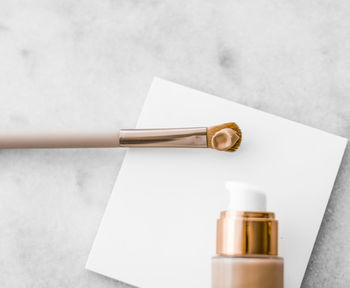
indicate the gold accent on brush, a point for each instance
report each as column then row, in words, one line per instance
column 224, row 137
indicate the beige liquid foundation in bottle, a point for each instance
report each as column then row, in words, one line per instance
column 247, row 242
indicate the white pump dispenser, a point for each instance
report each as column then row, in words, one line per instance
column 245, row 197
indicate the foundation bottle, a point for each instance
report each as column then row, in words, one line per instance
column 247, row 242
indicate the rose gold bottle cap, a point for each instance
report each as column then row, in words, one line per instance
column 246, row 228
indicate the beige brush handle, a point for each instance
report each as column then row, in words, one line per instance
column 174, row 137
column 59, row 140
column 224, row 137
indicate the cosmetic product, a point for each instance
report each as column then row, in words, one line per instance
column 224, row 137
column 247, row 242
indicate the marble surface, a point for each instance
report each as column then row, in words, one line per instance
column 88, row 65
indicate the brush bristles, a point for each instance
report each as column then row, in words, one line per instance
column 214, row 129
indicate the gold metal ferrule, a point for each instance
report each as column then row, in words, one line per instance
column 247, row 234
column 175, row 137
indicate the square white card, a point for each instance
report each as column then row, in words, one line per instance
column 159, row 227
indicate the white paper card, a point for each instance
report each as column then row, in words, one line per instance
column 160, row 223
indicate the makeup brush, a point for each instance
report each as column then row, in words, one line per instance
column 224, row 137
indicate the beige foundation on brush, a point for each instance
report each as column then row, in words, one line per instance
column 247, row 242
